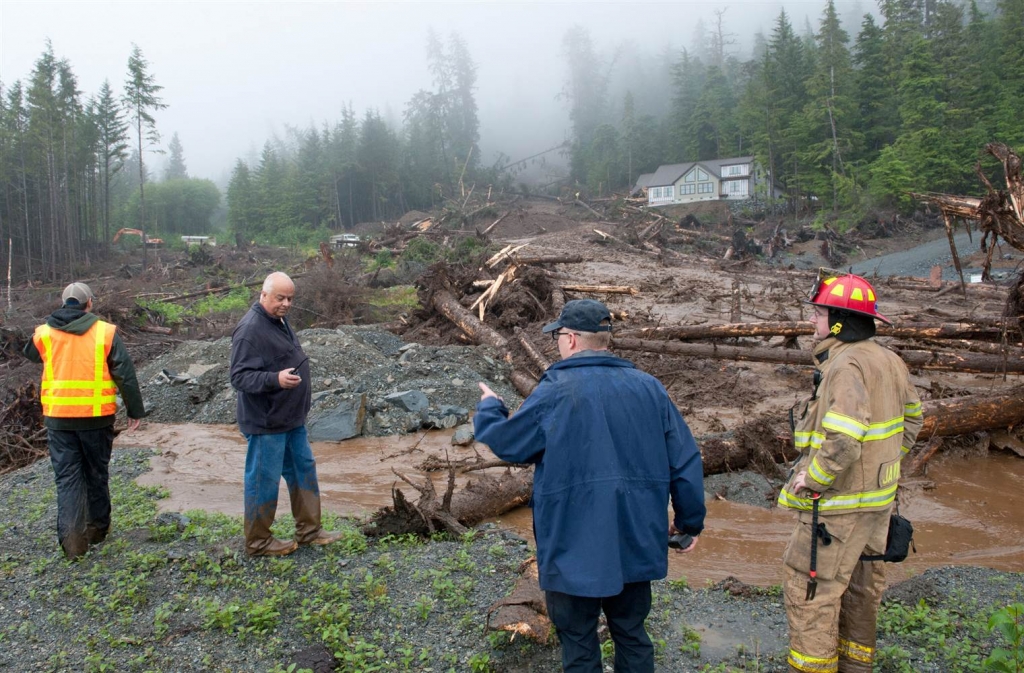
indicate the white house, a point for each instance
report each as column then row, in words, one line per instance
column 713, row 179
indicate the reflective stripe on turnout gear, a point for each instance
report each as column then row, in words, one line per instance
column 856, row 651
column 840, row 503
column 76, row 380
column 860, row 432
column 803, row 662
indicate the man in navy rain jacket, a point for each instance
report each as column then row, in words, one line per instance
column 610, row 449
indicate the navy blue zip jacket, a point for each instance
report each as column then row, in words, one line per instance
column 261, row 346
column 609, row 449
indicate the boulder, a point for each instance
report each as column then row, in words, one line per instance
column 341, row 422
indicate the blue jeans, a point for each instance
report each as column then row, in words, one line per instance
column 575, row 618
column 269, row 458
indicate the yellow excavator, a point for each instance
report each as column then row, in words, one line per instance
column 150, row 242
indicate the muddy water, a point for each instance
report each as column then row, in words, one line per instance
column 967, row 511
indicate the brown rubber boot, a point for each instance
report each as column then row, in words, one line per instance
column 323, row 537
column 274, row 547
column 75, row 545
column 95, row 535
column 306, row 512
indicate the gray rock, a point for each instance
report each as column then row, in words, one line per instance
column 410, row 400
column 441, row 422
column 463, row 435
column 341, row 422
column 451, row 410
column 173, row 518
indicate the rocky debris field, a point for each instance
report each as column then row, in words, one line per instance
column 366, row 381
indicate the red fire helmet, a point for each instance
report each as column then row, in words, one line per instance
column 848, row 293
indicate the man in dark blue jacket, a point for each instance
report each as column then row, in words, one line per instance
column 610, row 449
column 271, row 374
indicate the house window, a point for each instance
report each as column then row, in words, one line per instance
column 735, row 187
column 687, row 189
column 667, row 193
column 701, row 175
column 689, row 177
column 706, row 188
column 739, row 169
column 655, row 193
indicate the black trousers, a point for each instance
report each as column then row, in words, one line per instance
column 575, row 618
column 81, row 460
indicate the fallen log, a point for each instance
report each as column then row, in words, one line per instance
column 523, row 612
column 960, row 415
column 603, row 289
column 922, row 359
column 492, row 225
column 523, row 382
column 967, row 330
column 550, row 259
column 482, row 497
column 609, row 237
column 538, row 358
column 448, row 306
column 592, row 211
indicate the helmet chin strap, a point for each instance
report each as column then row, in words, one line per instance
column 848, row 326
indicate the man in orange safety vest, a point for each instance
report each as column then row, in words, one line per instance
column 85, row 364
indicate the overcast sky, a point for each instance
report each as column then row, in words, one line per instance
column 234, row 73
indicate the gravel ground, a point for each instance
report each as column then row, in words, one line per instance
column 190, row 384
column 174, row 592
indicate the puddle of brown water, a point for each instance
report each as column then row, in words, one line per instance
column 971, row 517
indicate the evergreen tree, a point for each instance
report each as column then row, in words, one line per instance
column 826, row 124
column 141, row 99
column 585, row 91
column 463, row 124
column 1009, row 123
column 875, row 98
column 688, row 82
column 112, row 145
column 242, row 204
column 176, row 169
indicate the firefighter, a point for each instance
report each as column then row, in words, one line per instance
column 862, row 417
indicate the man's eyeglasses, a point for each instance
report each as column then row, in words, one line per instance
column 555, row 335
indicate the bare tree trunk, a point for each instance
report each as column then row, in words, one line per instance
column 449, row 307
column 934, row 360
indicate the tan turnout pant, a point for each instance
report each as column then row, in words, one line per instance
column 835, row 631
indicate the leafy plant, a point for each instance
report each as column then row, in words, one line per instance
column 480, row 663
column 1008, row 623
column 169, row 313
column 423, row 604
column 691, row 642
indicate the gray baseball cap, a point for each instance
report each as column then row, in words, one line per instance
column 77, row 294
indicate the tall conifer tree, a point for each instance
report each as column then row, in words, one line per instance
column 141, row 99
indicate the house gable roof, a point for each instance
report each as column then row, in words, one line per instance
column 641, row 182
column 670, row 173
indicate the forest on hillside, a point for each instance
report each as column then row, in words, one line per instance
column 847, row 118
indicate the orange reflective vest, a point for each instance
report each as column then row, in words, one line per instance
column 76, row 379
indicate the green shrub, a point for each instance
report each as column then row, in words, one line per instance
column 169, row 313
column 235, row 300
column 1009, row 623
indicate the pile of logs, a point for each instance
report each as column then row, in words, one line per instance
column 998, row 214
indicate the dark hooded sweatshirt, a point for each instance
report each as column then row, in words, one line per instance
column 76, row 321
column 262, row 346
